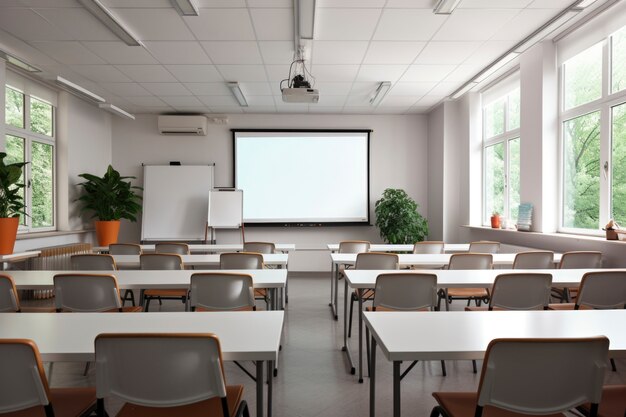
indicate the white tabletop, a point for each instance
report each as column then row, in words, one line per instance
column 430, row 260
column 70, row 336
column 18, row 256
column 225, row 247
column 466, row 335
column 201, row 260
column 474, row 278
column 137, row 279
column 388, row 247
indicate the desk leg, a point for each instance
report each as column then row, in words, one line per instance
column 360, row 296
column 336, row 292
column 270, row 366
column 373, row 379
column 396, row 388
column 334, row 279
column 259, row 388
column 345, row 328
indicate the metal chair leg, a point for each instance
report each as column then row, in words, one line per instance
column 613, row 367
column 352, row 300
column 474, row 366
column 443, row 368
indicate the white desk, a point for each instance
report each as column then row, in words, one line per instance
column 360, row 280
column 17, row 257
column 244, row 336
column 132, row 261
column 388, row 247
column 204, row 248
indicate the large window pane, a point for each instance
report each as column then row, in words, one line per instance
column 581, row 171
column 14, row 108
column 618, row 180
column 618, row 61
column 583, row 77
column 514, row 178
column 514, row 110
column 40, row 117
column 41, row 174
column 494, row 119
column 494, row 179
column 15, row 153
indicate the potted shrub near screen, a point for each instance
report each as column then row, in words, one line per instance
column 397, row 218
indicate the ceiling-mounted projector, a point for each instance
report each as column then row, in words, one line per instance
column 298, row 88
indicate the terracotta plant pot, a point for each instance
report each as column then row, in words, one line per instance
column 107, row 231
column 8, row 232
column 495, row 222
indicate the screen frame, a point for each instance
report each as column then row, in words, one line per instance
column 365, row 222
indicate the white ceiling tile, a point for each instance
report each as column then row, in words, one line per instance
column 12, row 3
column 444, row 89
column 220, row 4
column 137, row 3
column 325, row 109
column 259, row 109
column 290, row 107
column 408, row 25
column 550, row 4
column 259, row 100
column 120, row 53
column 338, row 52
column 489, row 51
column 256, row 89
column 179, row 101
column 29, row 26
column 334, row 89
column 391, row 110
column 489, row 4
column 388, row 52
column 79, row 23
column 463, row 72
column 483, row 23
column 48, row 3
column 273, row 24
column 361, row 4
column 411, row 89
column 334, row 73
column 424, row 73
column 419, row 110
column 126, row 89
column 101, row 73
column 270, row 3
column 358, row 100
column 147, row 73
column 276, row 52
column 146, row 101
column 68, row 52
column 226, row 109
column 330, row 100
column 233, row 52
column 364, row 88
column 154, row 24
column 429, row 101
column 408, row 4
column 166, row 89
column 276, row 73
column 242, row 73
column 381, row 72
column 208, row 89
column 362, row 109
column 178, row 52
column 524, row 24
column 194, row 73
column 399, row 101
column 219, row 100
column 446, row 52
column 221, row 25
column 345, row 24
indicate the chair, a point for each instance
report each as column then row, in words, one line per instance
column 428, row 247
column 172, row 247
column 92, row 262
column 404, row 292
column 162, row 261
column 126, row 249
column 352, row 246
column 468, row 261
column 519, row 292
column 534, row 260
column 613, row 403
column 25, row 390
column 9, row 301
column 556, row 375
column 220, row 291
column 182, row 375
column 259, row 247
column 88, row 293
column 576, row 260
column 484, row 246
column 370, row 260
column 245, row 260
column 600, row 290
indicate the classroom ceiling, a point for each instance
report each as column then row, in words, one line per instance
column 187, row 61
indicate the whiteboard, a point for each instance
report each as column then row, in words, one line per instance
column 225, row 208
column 175, row 201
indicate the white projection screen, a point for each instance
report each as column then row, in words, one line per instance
column 303, row 178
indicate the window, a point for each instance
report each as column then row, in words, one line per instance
column 501, row 154
column 30, row 137
column 593, row 136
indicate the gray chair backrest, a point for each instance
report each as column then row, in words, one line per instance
column 86, row 293
column 354, row 246
column 534, row 260
column 219, row 291
column 602, row 290
column 471, row 261
column 92, row 262
column 376, row 260
column 581, row 260
column 178, row 248
column 22, row 379
column 427, row 247
column 124, row 249
column 159, row 370
column 259, row 247
column 484, row 246
column 556, row 374
column 521, row 292
column 241, row 260
column 9, row 301
column 160, row 261
column 406, row 292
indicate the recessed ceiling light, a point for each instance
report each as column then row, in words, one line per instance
column 234, row 88
column 78, row 90
column 185, row 7
column 110, row 21
column 116, row 110
column 446, row 6
column 380, row 93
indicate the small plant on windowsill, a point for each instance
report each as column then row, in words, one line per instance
column 11, row 203
column 495, row 220
column 398, row 220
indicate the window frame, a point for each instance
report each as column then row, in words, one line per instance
column 29, row 137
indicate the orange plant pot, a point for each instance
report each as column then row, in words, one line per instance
column 8, row 233
column 495, row 222
column 107, row 231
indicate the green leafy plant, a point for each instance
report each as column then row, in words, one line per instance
column 110, row 197
column 11, row 201
column 397, row 218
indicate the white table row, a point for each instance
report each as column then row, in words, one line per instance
column 391, row 247
column 244, row 336
column 204, row 248
column 17, row 257
column 360, row 280
column 132, row 261
column 465, row 335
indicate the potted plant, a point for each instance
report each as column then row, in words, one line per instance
column 11, row 203
column 397, row 218
column 495, row 220
column 110, row 198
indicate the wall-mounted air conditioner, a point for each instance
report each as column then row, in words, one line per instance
column 183, row 125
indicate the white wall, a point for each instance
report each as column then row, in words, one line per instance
column 398, row 159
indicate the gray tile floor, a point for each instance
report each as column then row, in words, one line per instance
column 313, row 379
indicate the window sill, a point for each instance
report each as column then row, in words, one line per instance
column 37, row 235
column 559, row 235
